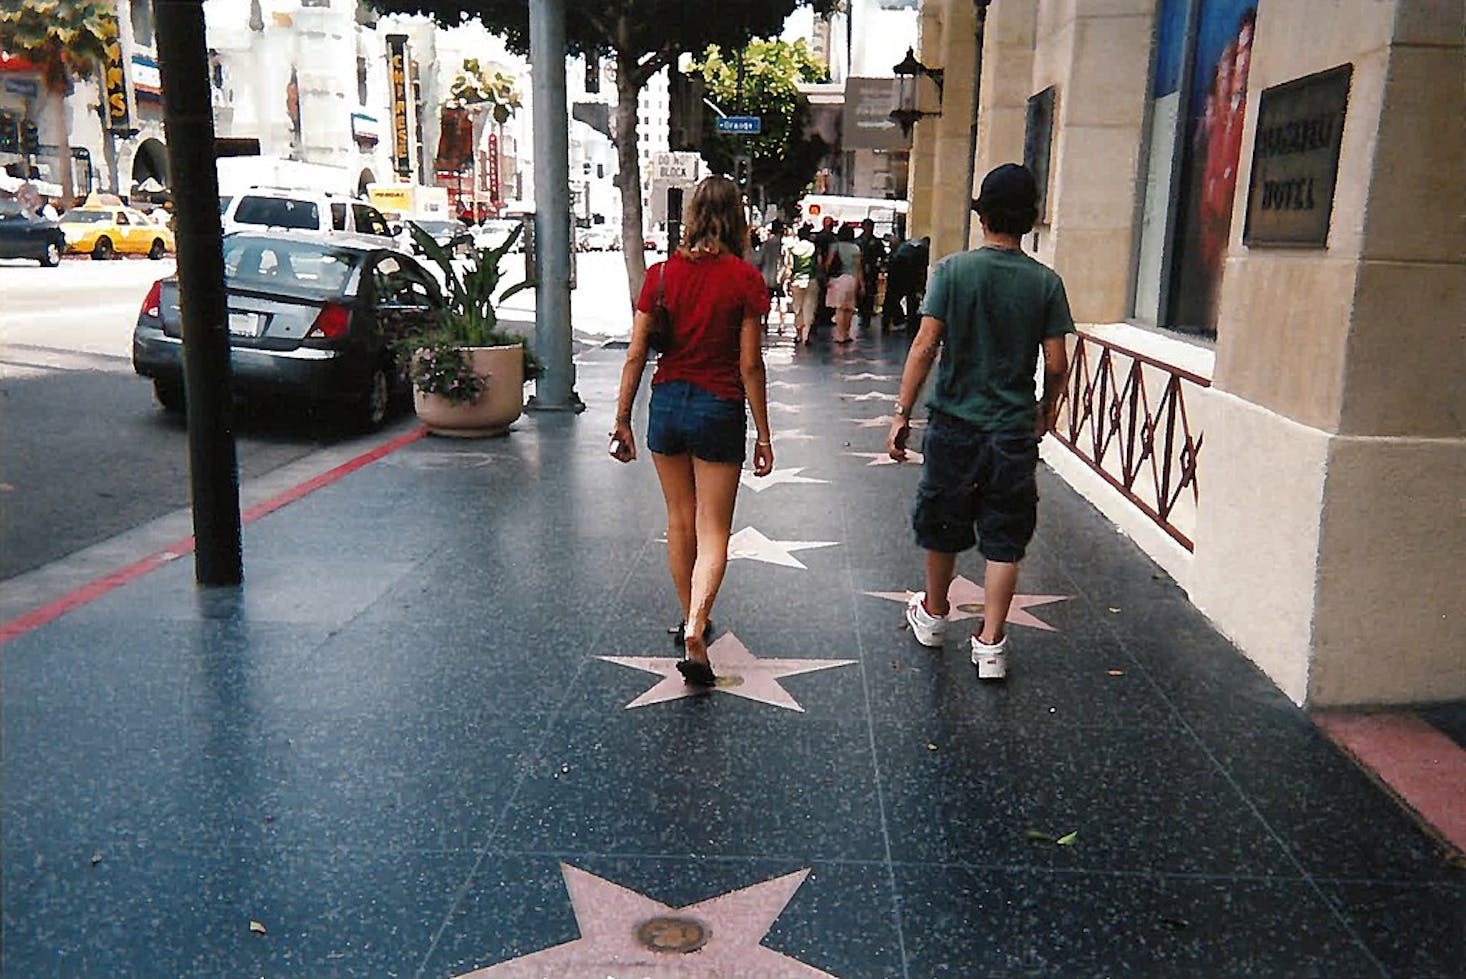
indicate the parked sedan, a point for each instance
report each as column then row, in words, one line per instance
column 23, row 235
column 103, row 231
column 312, row 317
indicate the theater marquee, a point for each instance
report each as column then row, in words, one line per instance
column 1295, row 159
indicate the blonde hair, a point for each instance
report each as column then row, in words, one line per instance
column 713, row 220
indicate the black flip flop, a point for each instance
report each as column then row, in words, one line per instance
column 697, row 673
column 679, row 639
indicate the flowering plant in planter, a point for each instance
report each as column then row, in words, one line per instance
column 439, row 363
column 442, row 369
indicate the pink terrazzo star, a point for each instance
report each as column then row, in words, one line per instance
column 626, row 935
column 739, row 672
column 913, row 458
column 966, row 598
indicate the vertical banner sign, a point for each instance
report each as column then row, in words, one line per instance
column 494, row 169
column 116, row 117
column 397, row 83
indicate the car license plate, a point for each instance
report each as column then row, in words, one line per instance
column 244, row 324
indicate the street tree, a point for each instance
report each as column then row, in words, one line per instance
column 65, row 40
column 641, row 37
column 786, row 153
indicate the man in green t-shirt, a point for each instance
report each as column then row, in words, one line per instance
column 990, row 311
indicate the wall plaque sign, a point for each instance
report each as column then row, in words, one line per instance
column 1295, row 159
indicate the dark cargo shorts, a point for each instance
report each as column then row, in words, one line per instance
column 685, row 419
column 976, row 488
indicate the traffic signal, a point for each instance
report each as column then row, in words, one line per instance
column 684, row 111
column 592, row 73
column 30, row 138
column 742, row 168
column 9, row 137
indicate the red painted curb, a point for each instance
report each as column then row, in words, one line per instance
column 1425, row 768
column 110, row 582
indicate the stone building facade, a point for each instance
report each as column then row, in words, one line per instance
column 1319, row 369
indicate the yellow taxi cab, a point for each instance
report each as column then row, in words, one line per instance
column 107, row 230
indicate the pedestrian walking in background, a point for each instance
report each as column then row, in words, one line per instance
column 770, row 261
column 846, row 281
column 697, row 430
column 824, row 240
column 994, row 309
column 803, row 287
column 905, row 281
column 872, row 262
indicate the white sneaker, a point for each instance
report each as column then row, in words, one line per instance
column 991, row 661
column 929, row 630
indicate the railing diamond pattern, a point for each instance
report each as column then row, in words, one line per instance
column 1142, row 446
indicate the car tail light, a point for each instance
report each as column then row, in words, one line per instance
column 331, row 322
column 153, row 302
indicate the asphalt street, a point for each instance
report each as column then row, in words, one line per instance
column 85, row 452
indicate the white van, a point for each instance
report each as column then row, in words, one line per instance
column 814, row 208
column 307, row 210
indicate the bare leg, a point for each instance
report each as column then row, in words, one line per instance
column 999, row 582
column 941, row 568
column 717, row 490
column 843, row 316
column 675, row 474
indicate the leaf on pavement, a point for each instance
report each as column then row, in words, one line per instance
column 1037, row 836
column 1068, row 839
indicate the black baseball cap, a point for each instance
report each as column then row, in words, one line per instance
column 1007, row 187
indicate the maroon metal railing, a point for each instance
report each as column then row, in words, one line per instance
column 1141, row 446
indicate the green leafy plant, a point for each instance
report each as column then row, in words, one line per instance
column 470, row 319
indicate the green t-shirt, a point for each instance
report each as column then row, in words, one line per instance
column 998, row 307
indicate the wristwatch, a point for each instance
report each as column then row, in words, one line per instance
column 901, row 411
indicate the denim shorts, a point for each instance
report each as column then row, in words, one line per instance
column 976, row 488
column 685, row 419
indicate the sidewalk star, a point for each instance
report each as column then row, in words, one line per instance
column 623, row 933
column 740, row 673
column 868, row 376
column 779, row 477
column 913, row 458
column 868, row 396
column 751, row 545
column 967, row 598
column 882, row 421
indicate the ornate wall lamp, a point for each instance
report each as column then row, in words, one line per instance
column 907, row 74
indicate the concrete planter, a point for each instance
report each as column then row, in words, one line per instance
column 495, row 409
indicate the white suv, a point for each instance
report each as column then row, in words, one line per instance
column 308, row 210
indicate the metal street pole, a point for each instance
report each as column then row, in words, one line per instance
column 188, row 120
column 555, row 388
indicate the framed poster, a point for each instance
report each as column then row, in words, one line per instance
column 1038, row 140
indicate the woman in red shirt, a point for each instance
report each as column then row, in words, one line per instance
column 697, row 430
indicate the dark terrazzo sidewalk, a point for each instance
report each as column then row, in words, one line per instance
column 397, row 750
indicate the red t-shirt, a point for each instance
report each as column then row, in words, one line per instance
column 708, row 297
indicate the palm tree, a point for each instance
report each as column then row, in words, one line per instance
column 64, row 39
column 478, row 86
